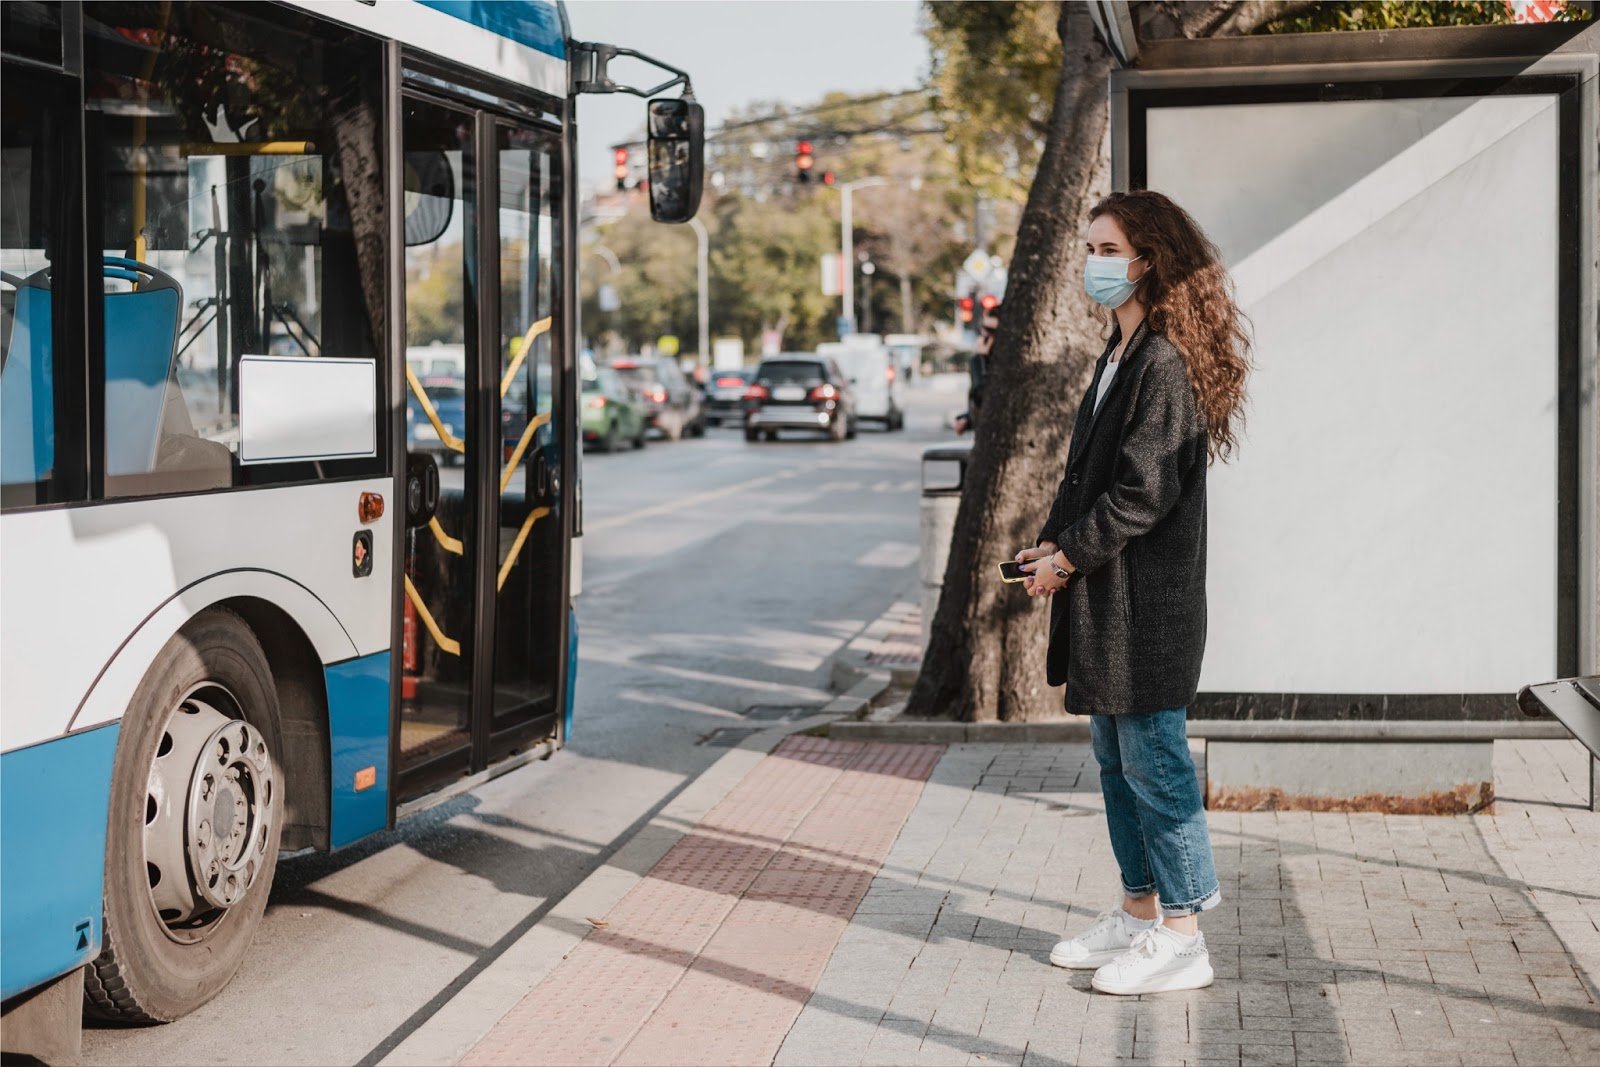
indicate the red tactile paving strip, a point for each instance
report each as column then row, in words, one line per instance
column 711, row 957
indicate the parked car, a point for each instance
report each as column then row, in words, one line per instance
column 612, row 412
column 799, row 392
column 725, row 391
column 448, row 395
column 872, row 374
column 672, row 404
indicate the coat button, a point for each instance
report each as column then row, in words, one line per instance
column 1073, row 481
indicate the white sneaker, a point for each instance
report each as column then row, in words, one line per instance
column 1109, row 937
column 1158, row 961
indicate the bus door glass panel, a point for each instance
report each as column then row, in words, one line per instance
column 441, row 558
column 228, row 151
column 529, row 604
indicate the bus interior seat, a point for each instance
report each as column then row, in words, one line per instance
column 148, row 428
column 27, row 405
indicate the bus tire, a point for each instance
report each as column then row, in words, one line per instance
column 183, row 900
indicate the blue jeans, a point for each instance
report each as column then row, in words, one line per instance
column 1154, row 809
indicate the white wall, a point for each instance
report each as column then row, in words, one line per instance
column 1390, row 523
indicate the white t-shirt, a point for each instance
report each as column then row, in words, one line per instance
column 1105, row 383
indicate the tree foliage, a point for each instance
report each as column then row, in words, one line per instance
column 1402, row 15
column 994, row 74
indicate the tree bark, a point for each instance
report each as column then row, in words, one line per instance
column 986, row 658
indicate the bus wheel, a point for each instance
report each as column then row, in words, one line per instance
column 196, row 816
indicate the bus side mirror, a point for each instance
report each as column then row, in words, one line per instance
column 676, row 157
column 422, row 489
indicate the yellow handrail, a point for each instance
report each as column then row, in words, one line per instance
column 249, row 148
column 516, row 546
column 446, row 542
column 542, row 326
column 522, row 447
column 447, row 645
column 451, row 441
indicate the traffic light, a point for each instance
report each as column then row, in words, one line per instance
column 828, row 177
column 965, row 304
column 621, row 171
column 989, row 302
column 804, row 160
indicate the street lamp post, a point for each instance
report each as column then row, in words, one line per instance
column 847, row 242
column 867, row 269
column 704, row 271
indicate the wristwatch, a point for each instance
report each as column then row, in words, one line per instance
column 1060, row 572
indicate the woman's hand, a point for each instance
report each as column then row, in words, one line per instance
column 1046, row 548
column 1039, row 564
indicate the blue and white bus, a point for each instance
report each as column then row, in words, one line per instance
column 242, row 610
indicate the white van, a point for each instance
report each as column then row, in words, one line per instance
column 865, row 361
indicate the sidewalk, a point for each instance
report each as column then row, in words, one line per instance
column 861, row 903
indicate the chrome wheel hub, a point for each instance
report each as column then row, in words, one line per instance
column 211, row 803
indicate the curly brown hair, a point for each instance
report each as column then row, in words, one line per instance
column 1189, row 297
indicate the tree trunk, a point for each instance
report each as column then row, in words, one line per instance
column 986, row 657
column 986, row 654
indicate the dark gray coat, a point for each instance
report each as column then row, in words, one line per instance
column 1128, row 631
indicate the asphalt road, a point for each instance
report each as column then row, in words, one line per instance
column 719, row 577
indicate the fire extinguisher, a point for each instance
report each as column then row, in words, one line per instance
column 410, row 652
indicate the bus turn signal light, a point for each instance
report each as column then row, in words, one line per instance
column 366, row 778
column 370, row 509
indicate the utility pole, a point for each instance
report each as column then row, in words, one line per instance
column 704, row 270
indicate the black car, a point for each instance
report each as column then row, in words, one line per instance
column 725, row 391
column 672, row 403
column 799, row 392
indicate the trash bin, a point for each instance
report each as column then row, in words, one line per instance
column 944, row 470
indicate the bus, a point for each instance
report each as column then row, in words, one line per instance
column 239, row 618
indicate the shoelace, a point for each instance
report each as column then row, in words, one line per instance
column 1144, row 944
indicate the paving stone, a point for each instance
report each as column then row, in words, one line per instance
column 1343, row 938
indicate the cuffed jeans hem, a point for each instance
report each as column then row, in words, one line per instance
column 1140, row 893
column 1206, row 903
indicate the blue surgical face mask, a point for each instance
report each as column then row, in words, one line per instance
column 1105, row 279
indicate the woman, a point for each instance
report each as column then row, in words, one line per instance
column 1123, row 554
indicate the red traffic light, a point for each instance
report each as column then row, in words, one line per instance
column 965, row 304
column 990, row 301
column 803, row 160
column 828, row 177
column 621, row 170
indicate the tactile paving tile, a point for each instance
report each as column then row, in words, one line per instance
column 710, row 958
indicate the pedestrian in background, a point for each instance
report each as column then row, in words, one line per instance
column 978, row 370
column 1123, row 556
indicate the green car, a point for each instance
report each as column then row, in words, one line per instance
column 612, row 411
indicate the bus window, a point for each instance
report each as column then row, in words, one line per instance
column 242, row 214
column 32, row 188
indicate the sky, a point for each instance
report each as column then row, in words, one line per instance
column 792, row 51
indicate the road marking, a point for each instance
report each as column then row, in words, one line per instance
column 687, row 502
column 889, row 554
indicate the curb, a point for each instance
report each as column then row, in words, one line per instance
column 451, row 1032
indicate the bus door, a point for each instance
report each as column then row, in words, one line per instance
column 484, row 595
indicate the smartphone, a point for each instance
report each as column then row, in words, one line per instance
column 1011, row 571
